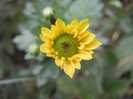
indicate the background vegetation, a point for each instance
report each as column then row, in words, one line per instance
column 29, row 74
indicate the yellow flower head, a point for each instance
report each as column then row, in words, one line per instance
column 68, row 44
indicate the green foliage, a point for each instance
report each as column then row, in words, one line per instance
column 127, row 24
column 26, row 36
column 1, row 70
column 115, row 3
column 83, row 9
column 108, row 75
column 46, row 72
column 67, row 85
column 124, row 48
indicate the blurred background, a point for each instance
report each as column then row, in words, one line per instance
column 26, row 73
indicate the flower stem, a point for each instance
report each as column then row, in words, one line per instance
column 16, row 80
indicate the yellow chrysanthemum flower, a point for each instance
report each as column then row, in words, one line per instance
column 68, row 44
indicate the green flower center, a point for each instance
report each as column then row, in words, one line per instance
column 66, row 46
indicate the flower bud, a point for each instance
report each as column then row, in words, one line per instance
column 48, row 12
column 33, row 49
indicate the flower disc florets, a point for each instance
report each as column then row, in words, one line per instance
column 66, row 46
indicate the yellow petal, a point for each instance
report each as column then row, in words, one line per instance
column 83, row 25
column 78, row 38
column 82, row 34
column 58, row 62
column 62, row 66
column 74, row 23
column 88, row 38
column 76, row 64
column 79, row 59
column 55, row 31
column 93, row 45
column 45, row 48
column 85, row 55
column 67, row 29
column 87, row 50
column 45, row 38
column 51, row 53
column 46, row 31
column 81, row 45
column 75, row 57
column 53, row 28
column 74, row 33
column 60, row 26
column 59, row 22
column 69, row 68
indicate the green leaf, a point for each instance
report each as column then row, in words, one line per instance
column 37, row 69
column 125, row 47
column 118, row 88
column 102, row 39
column 24, row 72
column 24, row 39
column 28, row 56
column 95, row 68
column 111, row 58
column 40, row 57
column 36, row 31
column 88, row 88
column 64, row 3
column 107, row 26
column 50, row 71
column 29, row 10
column 67, row 84
column 83, row 9
column 126, row 24
column 115, row 3
column 7, row 44
column 124, row 51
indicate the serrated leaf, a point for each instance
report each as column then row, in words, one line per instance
column 83, row 9
column 24, row 39
column 124, row 47
column 36, row 31
column 37, row 69
column 29, row 10
column 50, row 71
column 126, row 24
